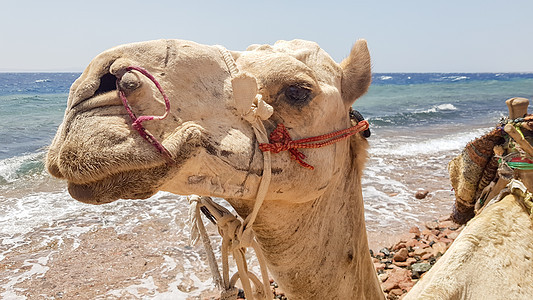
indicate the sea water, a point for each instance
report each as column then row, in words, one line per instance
column 419, row 122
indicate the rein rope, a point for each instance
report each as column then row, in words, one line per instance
column 137, row 121
column 280, row 140
column 237, row 234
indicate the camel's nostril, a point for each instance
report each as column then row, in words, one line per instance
column 129, row 82
column 107, row 84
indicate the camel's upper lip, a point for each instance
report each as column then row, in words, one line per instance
column 102, row 100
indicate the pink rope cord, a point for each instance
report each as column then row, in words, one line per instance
column 137, row 121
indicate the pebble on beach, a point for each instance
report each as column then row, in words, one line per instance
column 421, row 194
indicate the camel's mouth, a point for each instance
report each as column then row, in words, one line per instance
column 138, row 184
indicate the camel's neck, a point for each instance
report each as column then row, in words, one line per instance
column 319, row 249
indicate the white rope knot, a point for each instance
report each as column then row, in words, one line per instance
column 231, row 229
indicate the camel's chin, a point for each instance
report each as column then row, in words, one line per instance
column 93, row 194
column 139, row 184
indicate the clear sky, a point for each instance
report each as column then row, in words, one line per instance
column 403, row 35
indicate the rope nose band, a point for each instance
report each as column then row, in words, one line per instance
column 137, row 121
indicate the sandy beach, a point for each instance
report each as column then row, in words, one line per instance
column 146, row 262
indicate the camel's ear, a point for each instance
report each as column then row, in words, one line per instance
column 356, row 73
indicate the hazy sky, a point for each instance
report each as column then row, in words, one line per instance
column 403, row 36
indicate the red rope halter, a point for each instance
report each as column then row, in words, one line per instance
column 280, row 140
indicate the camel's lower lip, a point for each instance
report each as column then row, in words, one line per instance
column 137, row 184
column 84, row 193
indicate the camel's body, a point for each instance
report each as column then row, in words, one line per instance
column 311, row 225
column 491, row 259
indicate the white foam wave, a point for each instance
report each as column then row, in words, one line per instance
column 385, row 77
column 10, row 166
column 413, row 147
column 441, row 107
column 42, row 80
column 456, row 78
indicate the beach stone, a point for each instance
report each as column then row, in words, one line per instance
column 401, row 264
column 398, row 278
column 439, row 247
column 432, row 238
column 420, row 267
column 412, row 244
column 449, row 224
column 422, row 244
column 410, row 261
column 431, row 225
column 399, row 246
column 396, row 292
column 385, row 251
column 447, row 241
column 427, row 256
column 383, row 277
column 421, row 194
column 415, row 230
column 401, row 255
column 422, row 251
column 379, row 266
column 446, row 231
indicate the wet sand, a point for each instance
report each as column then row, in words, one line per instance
column 104, row 264
column 101, row 264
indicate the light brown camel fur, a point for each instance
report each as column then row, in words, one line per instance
column 490, row 259
column 311, row 225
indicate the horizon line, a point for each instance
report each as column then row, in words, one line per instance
column 380, row 72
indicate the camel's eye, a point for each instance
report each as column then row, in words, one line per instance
column 297, row 94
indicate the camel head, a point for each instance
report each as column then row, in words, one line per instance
column 214, row 150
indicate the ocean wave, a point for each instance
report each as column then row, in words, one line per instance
column 413, row 147
column 42, row 80
column 14, row 168
column 441, row 107
column 443, row 112
column 455, row 78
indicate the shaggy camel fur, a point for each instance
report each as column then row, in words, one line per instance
column 311, row 225
column 491, row 259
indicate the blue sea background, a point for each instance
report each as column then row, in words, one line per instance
column 419, row 122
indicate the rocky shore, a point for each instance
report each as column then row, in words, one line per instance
column 401, row 265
